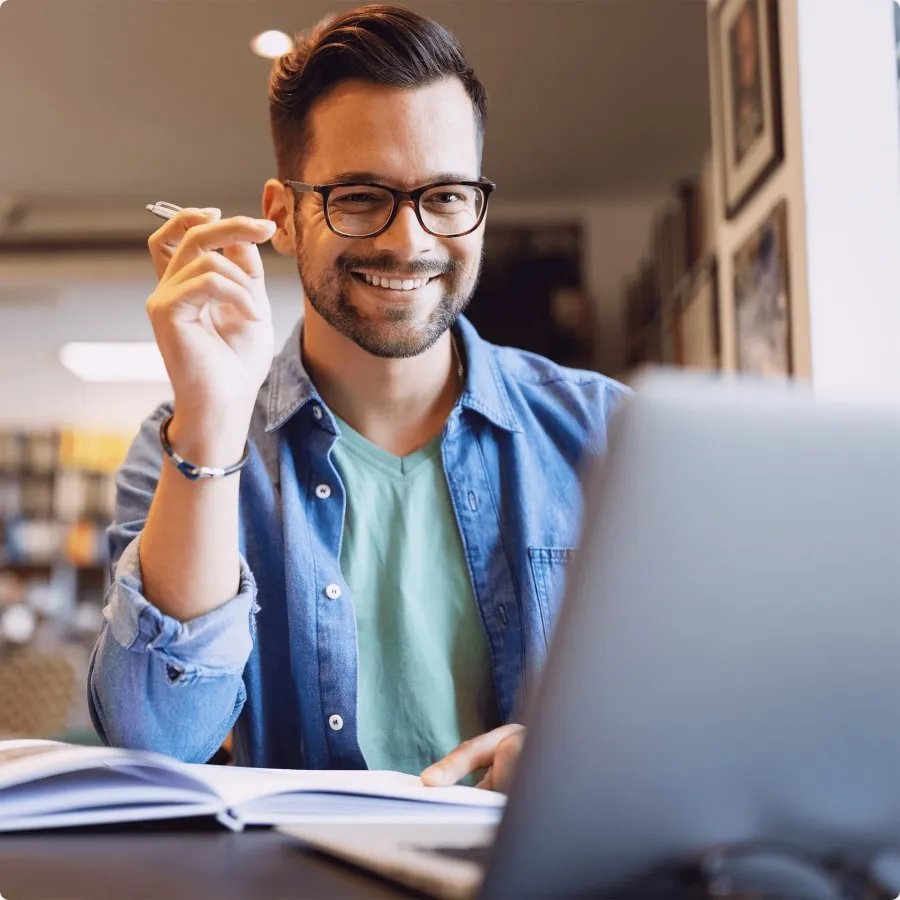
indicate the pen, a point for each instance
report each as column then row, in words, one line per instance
column 162, row 209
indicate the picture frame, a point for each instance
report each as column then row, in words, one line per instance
column 762, row 301
column 747, row 73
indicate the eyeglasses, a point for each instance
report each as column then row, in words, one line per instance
column 443, row 209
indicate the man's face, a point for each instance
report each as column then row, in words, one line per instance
column 403, row 138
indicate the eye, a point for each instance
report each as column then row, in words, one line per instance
column 447, row 197
column 357, row 197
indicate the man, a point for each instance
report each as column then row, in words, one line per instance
column 373, row 586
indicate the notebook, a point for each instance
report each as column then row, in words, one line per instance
column 48, row 784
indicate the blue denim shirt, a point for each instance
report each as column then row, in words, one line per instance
column 278, row 662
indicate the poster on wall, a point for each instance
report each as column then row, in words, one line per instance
column 762, row 299
column 746, row 55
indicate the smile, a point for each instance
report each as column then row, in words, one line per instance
column 392, row 283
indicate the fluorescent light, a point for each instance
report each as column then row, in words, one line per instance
column 272, row 44
column 114, row 361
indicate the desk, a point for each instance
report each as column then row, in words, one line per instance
column 177, row 864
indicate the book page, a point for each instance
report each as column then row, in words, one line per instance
column 26, row 761
column 237, row 785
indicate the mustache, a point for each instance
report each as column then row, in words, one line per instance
column 416, row 268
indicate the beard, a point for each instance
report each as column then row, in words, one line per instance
column 397, row 335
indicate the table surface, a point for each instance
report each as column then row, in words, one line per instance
column 181, row 862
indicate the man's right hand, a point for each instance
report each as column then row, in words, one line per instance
column 213, row 324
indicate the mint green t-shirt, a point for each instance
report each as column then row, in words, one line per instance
column 425, row 678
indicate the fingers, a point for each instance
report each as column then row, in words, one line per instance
column 213, row 262
column 477, row 753
column 487, row 783
column 245, row 255
column 508, row 752
column 166, row 239
column 222, row 234
column 192, row 295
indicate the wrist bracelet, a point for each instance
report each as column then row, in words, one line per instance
column 189, row 469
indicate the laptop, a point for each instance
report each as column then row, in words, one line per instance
column 726, row 665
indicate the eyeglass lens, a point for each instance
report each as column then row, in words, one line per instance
column 447, row 209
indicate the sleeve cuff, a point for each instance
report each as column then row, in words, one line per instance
column 218, row 643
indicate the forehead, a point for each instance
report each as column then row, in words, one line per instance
column 406, row 135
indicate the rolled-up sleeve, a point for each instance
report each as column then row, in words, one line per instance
column 218, row 643
column 154, row 682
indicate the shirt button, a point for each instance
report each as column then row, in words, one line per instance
column 323, row 492
column 335, row 723
column 332, row 592
column 317, row 412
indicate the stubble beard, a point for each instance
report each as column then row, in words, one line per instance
column 398, row 337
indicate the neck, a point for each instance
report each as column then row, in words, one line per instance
column 397, row 404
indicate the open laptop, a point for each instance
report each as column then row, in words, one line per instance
column 726, row 666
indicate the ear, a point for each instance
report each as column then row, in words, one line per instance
column 278, row 205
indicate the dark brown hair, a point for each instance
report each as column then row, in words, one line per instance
column 381, row 44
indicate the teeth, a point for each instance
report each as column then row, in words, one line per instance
column 395, row 284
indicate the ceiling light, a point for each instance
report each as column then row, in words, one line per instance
column 114, row 362
column 272, row 44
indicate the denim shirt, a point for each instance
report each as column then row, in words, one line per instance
column 278, row 662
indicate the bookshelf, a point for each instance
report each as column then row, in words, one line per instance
column 670, row 300
column 57, row 498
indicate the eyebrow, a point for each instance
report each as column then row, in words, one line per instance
column 379, row 178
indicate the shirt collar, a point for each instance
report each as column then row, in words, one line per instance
column 290, row 387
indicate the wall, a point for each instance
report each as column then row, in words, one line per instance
column 851, row 133
column 47, row 301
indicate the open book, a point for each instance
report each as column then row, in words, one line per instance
column 45, row 784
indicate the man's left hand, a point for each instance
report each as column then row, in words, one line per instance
column 497, row 751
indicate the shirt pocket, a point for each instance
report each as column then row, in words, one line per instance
column 548, row 569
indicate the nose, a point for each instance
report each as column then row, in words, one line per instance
column 405, row 238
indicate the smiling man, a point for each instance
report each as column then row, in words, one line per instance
column 350, row 556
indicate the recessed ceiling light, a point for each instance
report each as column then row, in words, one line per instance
column 272, row 44
column 125, row 362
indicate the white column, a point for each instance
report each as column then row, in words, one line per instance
column 850, row 113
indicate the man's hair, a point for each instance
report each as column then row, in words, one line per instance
column 381, row 44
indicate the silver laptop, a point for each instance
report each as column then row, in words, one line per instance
column 726, row 667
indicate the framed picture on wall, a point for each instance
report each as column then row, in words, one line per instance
column 747, row 73
column 762, row 299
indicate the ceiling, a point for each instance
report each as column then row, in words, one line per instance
column 115, row 103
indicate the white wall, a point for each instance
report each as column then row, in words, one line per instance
column 48, row 301
column 851, row 131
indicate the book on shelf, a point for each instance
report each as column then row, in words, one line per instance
column 48, row 784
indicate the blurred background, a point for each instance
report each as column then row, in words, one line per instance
column 617, row 236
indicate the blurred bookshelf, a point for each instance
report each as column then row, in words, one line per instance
column 57, row 497
column 671, row 300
